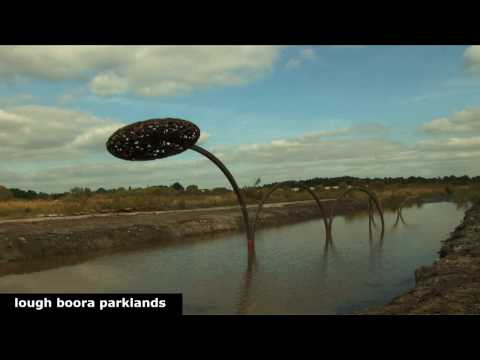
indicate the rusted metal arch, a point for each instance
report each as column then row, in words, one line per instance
column 372, row 197
column 277, row 186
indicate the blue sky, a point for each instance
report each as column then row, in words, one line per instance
column 272, row 112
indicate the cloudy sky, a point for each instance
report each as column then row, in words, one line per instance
column 277, row 113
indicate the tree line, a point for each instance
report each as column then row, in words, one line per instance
column 355, row 181
column 10, row 193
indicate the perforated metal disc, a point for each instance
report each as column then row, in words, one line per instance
column 153, row 139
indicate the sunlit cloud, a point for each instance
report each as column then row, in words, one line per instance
column 141, row 70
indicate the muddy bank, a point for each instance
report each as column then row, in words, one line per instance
column 452, row 284
column 22, row 241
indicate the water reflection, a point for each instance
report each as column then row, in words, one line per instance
column 329, row 253
column 245, row 303
column 246, row 296
column 399, row 218
column 375, row 251
column 294, row 271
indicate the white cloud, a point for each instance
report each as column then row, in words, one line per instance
column 143, row 70
column 462, row 122
column 16, row 100
column 472, row 58
column 42, row 132
column 204, row 136
column 307, row 54
column 56, row 149
column 107, row 84
column 451, row 144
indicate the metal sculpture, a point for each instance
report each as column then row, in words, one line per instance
column 276, row 187
column 372, row 197
column 159, row 138
column 153, row 139
column 328, row 219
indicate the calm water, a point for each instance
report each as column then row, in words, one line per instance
column 293, row 273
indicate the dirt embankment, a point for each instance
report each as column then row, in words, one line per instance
column 32, row 240
column 452, row 284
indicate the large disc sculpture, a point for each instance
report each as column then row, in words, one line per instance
column 159, row 138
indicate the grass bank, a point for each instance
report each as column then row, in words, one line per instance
column 158, row 199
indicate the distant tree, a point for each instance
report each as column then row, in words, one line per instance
column 192, row 188
column 79, row 191
column 257, row 182
column 43, row 195
column 18, row 193
column 5, row 194
column 76, row 190
column 101, row 190
column 177, row 186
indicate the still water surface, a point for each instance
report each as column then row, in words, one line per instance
column 293, row 273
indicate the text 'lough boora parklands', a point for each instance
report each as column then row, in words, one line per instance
column 100, row 304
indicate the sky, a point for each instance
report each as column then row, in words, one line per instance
column 270, row 112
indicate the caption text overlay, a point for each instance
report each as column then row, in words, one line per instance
column 166, row 304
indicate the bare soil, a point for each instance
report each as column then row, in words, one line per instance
column 452, row 284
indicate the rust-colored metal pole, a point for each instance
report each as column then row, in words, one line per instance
column 236, row 189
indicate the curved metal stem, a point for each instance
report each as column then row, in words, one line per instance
column 267, row 195
column 236, row 189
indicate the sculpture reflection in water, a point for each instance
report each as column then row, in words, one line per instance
column 406, row 202
column 375, row 251
column 328, row 251
column 245, row 304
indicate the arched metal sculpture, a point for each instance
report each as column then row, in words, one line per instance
column 159, row 138
column 276, row 187
column 328, row 219
column 372, row 197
